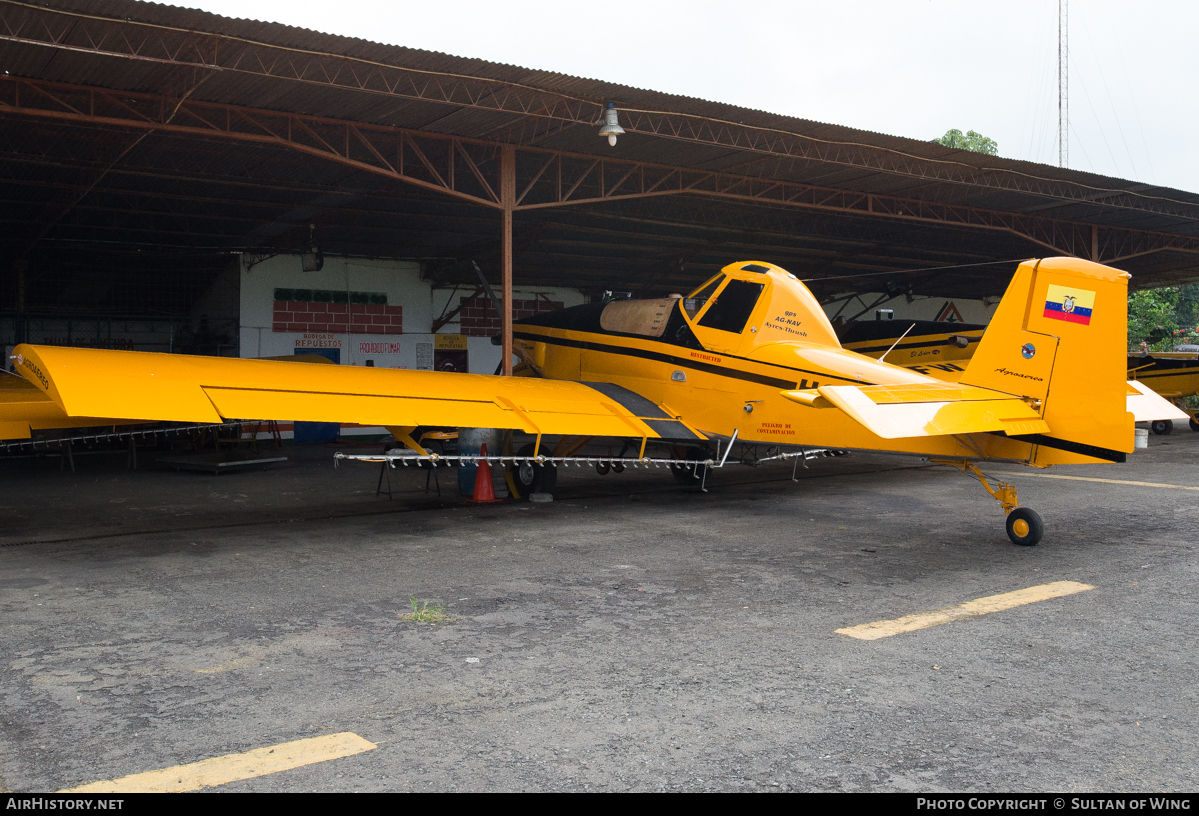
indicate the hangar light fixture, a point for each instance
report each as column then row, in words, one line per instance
column 311, row 259
column 611, row 128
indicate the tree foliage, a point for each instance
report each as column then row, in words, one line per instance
column 1159, row 319
column 970, row 141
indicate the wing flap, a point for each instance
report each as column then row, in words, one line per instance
column 14, row 430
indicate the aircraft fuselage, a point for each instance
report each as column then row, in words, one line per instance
column 722, row 372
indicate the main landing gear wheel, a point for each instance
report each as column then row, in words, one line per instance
column 531, row 477
column 1161, row 427
column 602, row 468
column 1024, row 527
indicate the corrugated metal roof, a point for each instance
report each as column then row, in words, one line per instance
column 281, row 94
column 201, row 194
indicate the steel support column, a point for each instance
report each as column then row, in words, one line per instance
column 507, row 205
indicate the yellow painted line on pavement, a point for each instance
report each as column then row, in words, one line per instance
column 969, row 609
column 1093, row 479
column 232, row 767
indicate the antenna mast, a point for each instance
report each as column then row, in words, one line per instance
column 1063, row 83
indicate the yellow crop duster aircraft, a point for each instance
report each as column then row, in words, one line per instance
column 749, row 356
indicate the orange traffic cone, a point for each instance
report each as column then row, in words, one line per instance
column 484, row 493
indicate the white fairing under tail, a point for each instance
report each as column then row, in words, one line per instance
column 1146, row 405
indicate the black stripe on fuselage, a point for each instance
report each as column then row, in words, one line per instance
column 585, row 319
column 683, row 362
column 1164, row 365
column 1093, row 451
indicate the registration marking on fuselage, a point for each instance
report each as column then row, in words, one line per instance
column 233, row 767
column 969, row 609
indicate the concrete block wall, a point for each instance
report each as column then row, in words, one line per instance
column 478, row 317
column 342, row 318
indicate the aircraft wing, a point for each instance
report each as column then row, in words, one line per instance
column 20, row 402
column 933, row 409
column 183, row 388
column 24, row 406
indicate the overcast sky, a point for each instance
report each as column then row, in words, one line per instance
column 906, row 67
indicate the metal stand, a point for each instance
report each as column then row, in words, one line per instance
column 378, row 488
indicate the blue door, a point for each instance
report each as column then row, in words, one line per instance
column 318, row 432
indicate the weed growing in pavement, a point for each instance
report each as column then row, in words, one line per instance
column 425, row 612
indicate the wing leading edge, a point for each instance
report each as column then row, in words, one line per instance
column 181, row 388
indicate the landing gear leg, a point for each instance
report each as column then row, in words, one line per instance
column 1024, row 525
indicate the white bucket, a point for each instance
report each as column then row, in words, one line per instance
column 1142, row 438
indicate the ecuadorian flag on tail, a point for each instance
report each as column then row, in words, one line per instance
column 1069, row 304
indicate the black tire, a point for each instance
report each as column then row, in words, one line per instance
column 1024, row 527
column 1194, row 425
column 1161, row 427
column 618, row 467
column 691, row 474
column 602, row 468
column 531, row 477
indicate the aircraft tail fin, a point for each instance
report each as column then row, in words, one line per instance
column 1060, row 338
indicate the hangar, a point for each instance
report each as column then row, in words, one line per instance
column 175, row 180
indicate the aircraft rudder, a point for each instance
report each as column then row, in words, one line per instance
column 1060, row 336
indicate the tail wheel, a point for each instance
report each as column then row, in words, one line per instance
column 531, row 477
column 691, row 473
column 1161, row 427
column 1024, row 527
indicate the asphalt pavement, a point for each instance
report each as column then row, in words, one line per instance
column 632, row 635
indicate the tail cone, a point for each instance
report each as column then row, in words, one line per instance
column 484, row 493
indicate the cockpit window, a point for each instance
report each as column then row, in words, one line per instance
column 694, row 303
column 731, row 310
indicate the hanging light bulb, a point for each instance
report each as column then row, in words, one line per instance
column 611, row 128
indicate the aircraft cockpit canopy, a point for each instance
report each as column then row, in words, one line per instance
column 759, row 303
column 694, row 303
column 730, row 310
column 726, row 308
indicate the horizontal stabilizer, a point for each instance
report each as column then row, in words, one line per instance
column 944, row 409
column 1147, row 406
